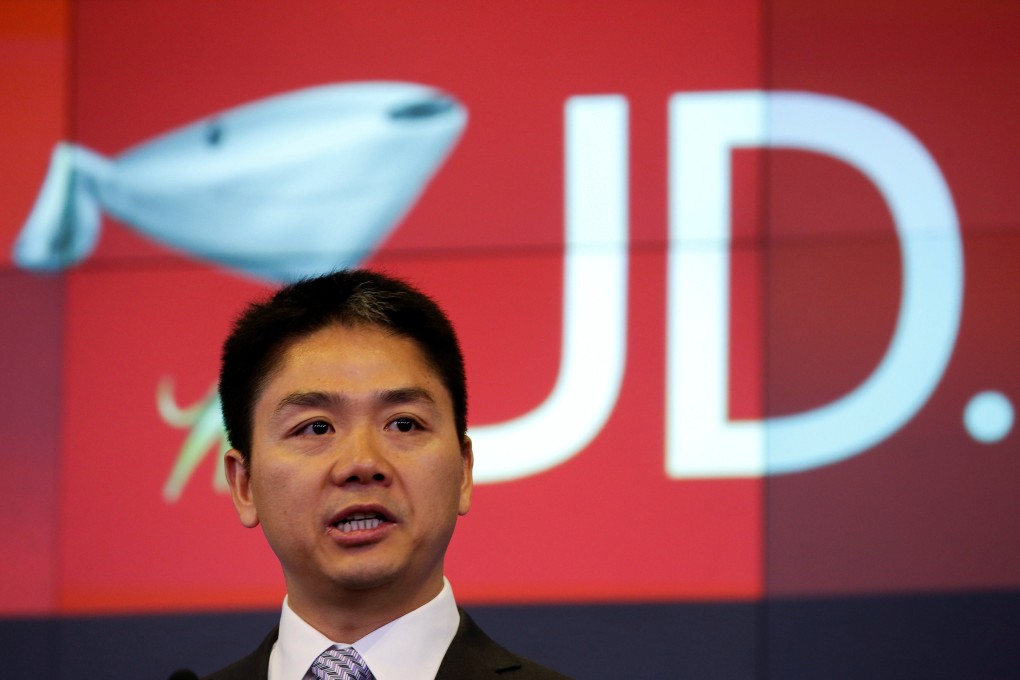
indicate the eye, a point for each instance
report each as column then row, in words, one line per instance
column 403, row 424
column 318, row 427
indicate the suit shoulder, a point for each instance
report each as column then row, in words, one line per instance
column 473, row 654
column 255, row 666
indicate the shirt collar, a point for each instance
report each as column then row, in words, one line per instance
column 407, row 648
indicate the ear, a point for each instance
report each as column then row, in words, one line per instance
column 239, row 481
column 467, row 482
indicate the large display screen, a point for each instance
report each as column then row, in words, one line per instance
column 736, row 283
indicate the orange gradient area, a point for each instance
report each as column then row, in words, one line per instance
column 34, row 83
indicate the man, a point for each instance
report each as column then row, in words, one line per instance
column 345, row 402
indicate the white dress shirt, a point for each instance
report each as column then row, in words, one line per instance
column 408, row 648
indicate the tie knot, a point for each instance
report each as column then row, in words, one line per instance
column 341, row 664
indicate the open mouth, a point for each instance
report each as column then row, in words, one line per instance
column 360, row 521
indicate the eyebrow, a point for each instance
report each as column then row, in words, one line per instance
column 405, row 395
column 309, row 400
column 317, row 399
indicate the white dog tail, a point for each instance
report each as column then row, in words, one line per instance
column 63, row 227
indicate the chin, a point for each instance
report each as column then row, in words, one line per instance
column 367, row 576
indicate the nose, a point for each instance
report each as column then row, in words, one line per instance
column 361, row 460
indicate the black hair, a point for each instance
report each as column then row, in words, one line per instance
column 349, row 297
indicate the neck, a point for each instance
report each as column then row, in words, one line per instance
column 348, row 616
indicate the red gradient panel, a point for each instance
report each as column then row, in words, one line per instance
column 929, row 508
column 30, row 449
column 123, row 546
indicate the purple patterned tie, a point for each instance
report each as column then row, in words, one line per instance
column 341, row 664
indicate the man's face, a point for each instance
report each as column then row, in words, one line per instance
column 357, row 472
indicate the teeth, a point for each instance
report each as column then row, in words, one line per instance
column 359, row 521
column 359, row 525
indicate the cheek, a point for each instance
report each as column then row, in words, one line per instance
column 281, row 492
column 444, row 487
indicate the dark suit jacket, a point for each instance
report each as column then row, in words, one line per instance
column 472, row 654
